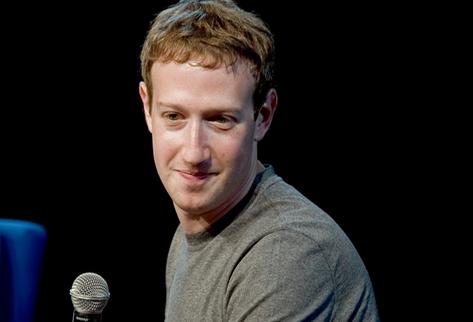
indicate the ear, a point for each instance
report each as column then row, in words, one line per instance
column 265, row 115
column 145, row 98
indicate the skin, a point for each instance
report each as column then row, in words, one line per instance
column 205, row 137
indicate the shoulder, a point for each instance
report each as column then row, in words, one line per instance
column 286, row 248
column 282, row 276
column 280, row 208
column 283, row 226
column 294, row 273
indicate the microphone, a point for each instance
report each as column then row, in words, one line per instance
column 89, row 295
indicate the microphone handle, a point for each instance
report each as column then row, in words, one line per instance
column 81, row 317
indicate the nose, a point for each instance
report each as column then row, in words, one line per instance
column 196, row 149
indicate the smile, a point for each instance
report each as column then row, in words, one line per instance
column 195, row 175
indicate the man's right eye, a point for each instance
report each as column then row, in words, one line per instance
column 172, row 116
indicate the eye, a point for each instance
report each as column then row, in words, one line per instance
column 172, row 116
column 173, row 119
column 223, row 122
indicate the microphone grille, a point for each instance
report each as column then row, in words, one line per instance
column 89, row 293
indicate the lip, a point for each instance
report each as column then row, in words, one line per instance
column 195, row 175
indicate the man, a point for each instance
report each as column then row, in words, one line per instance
column 249, row 247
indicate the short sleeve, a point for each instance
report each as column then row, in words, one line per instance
column 282, row 277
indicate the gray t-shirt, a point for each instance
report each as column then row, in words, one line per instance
column 275, row 257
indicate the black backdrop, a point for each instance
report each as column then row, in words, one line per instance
column 76, row 155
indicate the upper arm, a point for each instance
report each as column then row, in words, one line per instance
column 282, row 277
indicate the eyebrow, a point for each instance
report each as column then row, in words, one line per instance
column 174, row 106
column 181, row 108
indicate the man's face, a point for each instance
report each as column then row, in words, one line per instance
column 204, row 135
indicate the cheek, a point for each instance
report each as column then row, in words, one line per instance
column 236, row 149
column 163, row 149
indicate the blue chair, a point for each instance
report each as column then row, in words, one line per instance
column 22, row 246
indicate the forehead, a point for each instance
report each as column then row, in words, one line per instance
column 190, row 82
column 239, row 69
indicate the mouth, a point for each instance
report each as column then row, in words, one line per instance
column 195, row 175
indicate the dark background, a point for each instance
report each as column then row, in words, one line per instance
column 76, row 155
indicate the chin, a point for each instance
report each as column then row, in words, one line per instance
column 193, row 208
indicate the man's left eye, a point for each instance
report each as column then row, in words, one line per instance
column 222, row 122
